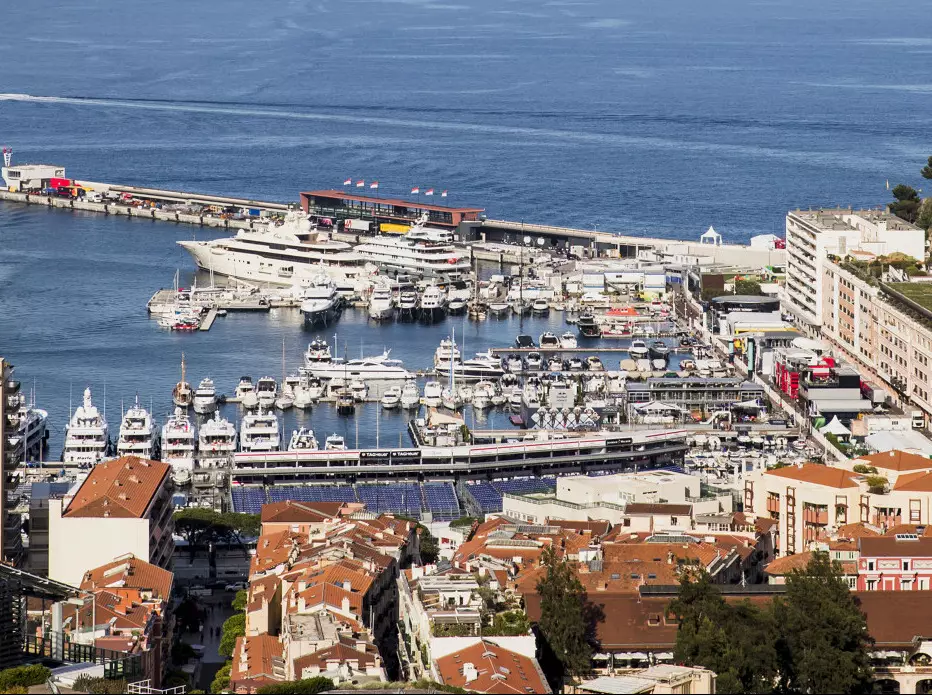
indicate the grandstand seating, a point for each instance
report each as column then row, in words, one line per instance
column 248, row 500
column 440, row 500
column 312, row 493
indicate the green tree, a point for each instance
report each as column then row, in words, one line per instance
column 906, row 203
column 222, row 678
column 233, row 627
column 23, row 676
column 563, row 618
column 927, row 170
column 428, row 547
column 735, row 641
column 204, row 527
column 308, row 686
column 822, row 644
column 509, row 623
column 239, row 601
column 748, row 287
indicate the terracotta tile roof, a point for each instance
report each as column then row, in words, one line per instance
column 122, row 489
column 703, row 553
column 914, row 482
column 817, row 474
column 782, row 566
column 498, row 670
column 117, row 644
column 291, row 512
column 638, row 508
column 595, row 528
column 897, row 460
column 340, row 653
column 894, row 618
column 918, row 529
column 131, row 573
column 856, row 530
column 253, row 659
column 891, row 546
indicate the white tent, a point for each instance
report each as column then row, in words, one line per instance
column 711, row 237
column 657, row 407
column 835, row 427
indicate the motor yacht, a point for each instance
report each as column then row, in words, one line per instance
column 86, row 440
column 291, row 252
column 407, row 305
column 499, row 309
column 524, row 341
column 515, row 364
column 391, row 399
column 568, row 341
column 138, row 435
column 445, row 354
column 456, row 306
column 303, row 440
column 205, row 397
column 659, row 350
column 259, row 432
column 178, row 443
column 317, row 353
column 376, row 368
column 216, row 442
column 346, row 401
column 516, row 399
column 521, row 307
column 359, row 389
column 246, row 393
column 432, row 306
column 588, row 326
column 381, row 304
column 322, row 303
column 540, row 307
column 182, row 394
column 286, row 398
column 433, row 392
column 555, row 364
column 549, row 341
column 423, row 251
column 534, row 361
column 315, row 388
column 482, row 394
column 638, row 349
column 26, row 432
column 266, row 391
column 484, row 365
column 576, row 364
column 410, row 396
column 594, row 364
column 335, row 442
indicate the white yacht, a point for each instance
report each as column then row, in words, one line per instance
column 484, row 365
column 322, row 303
column 318, row 352
column 178, row 441
column 86, row 441
column 205, row 397
column 446, row 353
column 638, row 349
column 381, row 304
column 391, row 398
column 407, row 305
column 568, row 341
column 540, row 306
column 410, row 396
column 246, row 393
column 335, row 442
column 315, row 388
column 259, row 432
column 432, row 305
column 423, row 251
column 359, row 389
column 549, row 341
column 379, row 368
column 280, row 254
column 433, row 394
column 482, row 395
column 27, row 433
column 303, row 440
column 266, row 391
column 216, row 442
column 138, row 435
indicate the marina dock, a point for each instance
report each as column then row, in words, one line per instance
column 208, row 320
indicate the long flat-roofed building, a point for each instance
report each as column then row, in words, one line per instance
column 393, row 212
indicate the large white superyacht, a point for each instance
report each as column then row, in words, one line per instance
column 86, row 440
column 178, row 443
column 290, row 253
column 423, row 251
column 216, row 444
column 138, row 435
column 377, row 368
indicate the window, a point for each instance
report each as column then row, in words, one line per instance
column 870, row 565
column 871, row 584
column 906, row 585
column 906, row 565
column 673, row 521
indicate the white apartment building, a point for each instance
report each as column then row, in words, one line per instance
column 812, row 235
column 809, row 502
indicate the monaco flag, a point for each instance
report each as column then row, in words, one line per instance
column 360, row 184
column 429, row 191
column 443, row 195
column 415, row 190
column 374, row 184
column 347, row 182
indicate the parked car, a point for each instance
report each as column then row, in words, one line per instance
column 236, row 586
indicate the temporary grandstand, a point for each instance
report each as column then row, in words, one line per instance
column 485, row 497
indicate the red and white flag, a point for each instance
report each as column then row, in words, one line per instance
column 415, row 190
column 374, row 184
column 443, row 195
column 429, row 191
column 360, row 184
column 347, row 182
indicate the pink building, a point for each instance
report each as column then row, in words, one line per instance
column 895, row 563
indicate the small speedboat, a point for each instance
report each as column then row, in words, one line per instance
column 515, row 364
column 391, row 398
column 499, row 308
column 568, row 341
column 659, row 349
column 534, row 360
column 335, row 443
column 540, row 307
column 524, row 341
column 549, row 341
column 576, row 364
column 638, row 349
column 555, row 364
column 456, row 306
column 594, row 364
column 359, row 389
column 433, row 392
column 410, row 396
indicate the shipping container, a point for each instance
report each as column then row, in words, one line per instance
column 356, row 225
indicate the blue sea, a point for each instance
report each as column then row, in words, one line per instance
column 638, row 118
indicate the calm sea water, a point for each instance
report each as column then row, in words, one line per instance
column 653, row 118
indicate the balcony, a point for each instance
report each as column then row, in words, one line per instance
column 815, row 516
column 888, row 520
column 773, row 504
